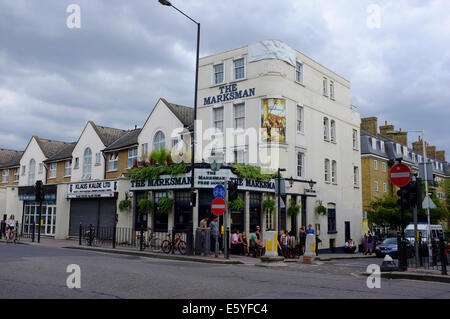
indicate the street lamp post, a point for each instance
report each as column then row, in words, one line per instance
column 168, row 3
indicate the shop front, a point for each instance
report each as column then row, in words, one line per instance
column 92, row 203
column 30, row 214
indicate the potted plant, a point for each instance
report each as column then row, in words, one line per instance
column 269, row 205
column 165, row 205
column 293, row 209
column 145, row 205
column 125, row 204
column 320, row 209
column 237, row 205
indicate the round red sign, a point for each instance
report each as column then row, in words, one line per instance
column 400, row 175
column 218, row 206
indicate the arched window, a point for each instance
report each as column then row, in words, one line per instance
column 159, row 141
column 87, row 164
column 31, row 172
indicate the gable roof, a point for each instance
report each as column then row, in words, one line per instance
column 184, row 113
column 10, row 158
column 49, row 147
column 64, row 153
column 130, row 138
column 107, row 134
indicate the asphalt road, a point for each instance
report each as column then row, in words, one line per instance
column 40, row 272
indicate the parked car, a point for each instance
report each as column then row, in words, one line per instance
column 389, row 247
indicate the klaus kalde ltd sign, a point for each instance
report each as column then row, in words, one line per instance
column 204, row 178
column 107, row 188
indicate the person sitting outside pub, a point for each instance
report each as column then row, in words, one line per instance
column 236, row 246
column 256, row 243
column 350, row 247
column 244, row 242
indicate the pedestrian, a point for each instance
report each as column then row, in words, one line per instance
column 310, row 230
column 284, row 243
column 214, row 226
column 302, row 240
column 369, row 243
column 203, row 226
column 10, row 226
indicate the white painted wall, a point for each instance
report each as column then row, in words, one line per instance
column 160, row 119
column 62, row 212
column 88, row 138
column 33, row 151
column 276, row 78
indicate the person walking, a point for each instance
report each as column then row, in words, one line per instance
column 10, row 227
column 302, row 235
column 214, row 226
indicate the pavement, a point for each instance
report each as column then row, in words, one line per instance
column 412, row 274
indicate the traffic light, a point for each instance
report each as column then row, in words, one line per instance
column 39, row 192
column 403, row 201
column 232, row 191
column 416, row 193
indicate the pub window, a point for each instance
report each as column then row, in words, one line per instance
column 160, row 220
column 218, row 74
column 239, row 116
column 239, row 69
column 300, row 164
column 300, row 119
column 255, row 211
column 218, row 119
column 183, row 215
column 299, row 72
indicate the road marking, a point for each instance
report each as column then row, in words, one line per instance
column 354, row 275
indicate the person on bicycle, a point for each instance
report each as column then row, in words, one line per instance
column 10, row 226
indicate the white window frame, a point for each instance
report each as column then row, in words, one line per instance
column 300, row 164
column 68, row 168
column 376, row 187
column 233, row 66
column 5, row 176
column 77, row 163
column 299, row 72
column 53, row 170
column 355, row 139
column 113, row 161
column 398, row 148
column 374, row 143
column 157, row 145
column 214, row 121
column 144, row 150
column 132, row 156
column 24, row 169
column 375, row 165
column 334, row 172
column 98, row 158
column 214, row 73
column 325, row 86
column 87, row 164
column 326, row 129
column 240, row 118
column 332, row 90
column 41, row 168
column 333, row 131
column 383, row 166
column 382, row 146
column 327, row 170
column 32, row 172
column 384, row 187
column 355, row 176
column 300, row 119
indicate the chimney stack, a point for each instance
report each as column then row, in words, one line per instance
column 370, row 124
column 386, row 128
column 440, row 155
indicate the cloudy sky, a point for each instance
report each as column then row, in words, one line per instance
column 128, row 53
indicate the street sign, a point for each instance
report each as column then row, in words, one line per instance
column 218, row 206
column 400, row 175
column 428, row 203
column 219, row 191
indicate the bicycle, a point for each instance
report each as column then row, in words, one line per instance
column 177, row 243
column 153, row 242
column 88, row 238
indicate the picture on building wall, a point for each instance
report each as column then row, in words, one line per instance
column 273, row 120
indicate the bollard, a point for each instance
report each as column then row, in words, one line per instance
column 80, row 234
column 114, row 236
column 141, row 240
column 443, row 257
column 172, row 248
column 190, row 241
column 208, row 242
column 198, row 241
column 91, row 237
column 32, row 231
column 227, row 243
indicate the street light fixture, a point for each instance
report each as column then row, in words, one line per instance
column 167, row 3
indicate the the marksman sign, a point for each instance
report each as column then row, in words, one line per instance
column 204, row 178
column 228, row 93
column 106, row 188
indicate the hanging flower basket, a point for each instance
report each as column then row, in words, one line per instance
column 320, row 209
column 165, row 205
column 269, row 205
column 125, row 204
column 145, row 205
column 293, row 209
column 237, row 205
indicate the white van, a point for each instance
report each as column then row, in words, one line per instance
column 436, row 230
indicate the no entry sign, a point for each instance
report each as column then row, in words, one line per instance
column 400, row 175
column 218, row 206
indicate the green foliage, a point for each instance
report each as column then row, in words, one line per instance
column 161, row 157
column 251, row 172
column 145, row 205
column 269, row 205
column 165, row 205
column 237, row 205
column 320, row 209
column 125, row 204
column 153, row 172
column 293, row 209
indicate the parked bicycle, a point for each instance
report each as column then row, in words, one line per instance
column 88, row 238
column 153, row 242
column 177, row 243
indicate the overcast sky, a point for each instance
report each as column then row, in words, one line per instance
column 128, row 53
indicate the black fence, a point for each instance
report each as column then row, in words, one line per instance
column 438, row 261
column 18, row 234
